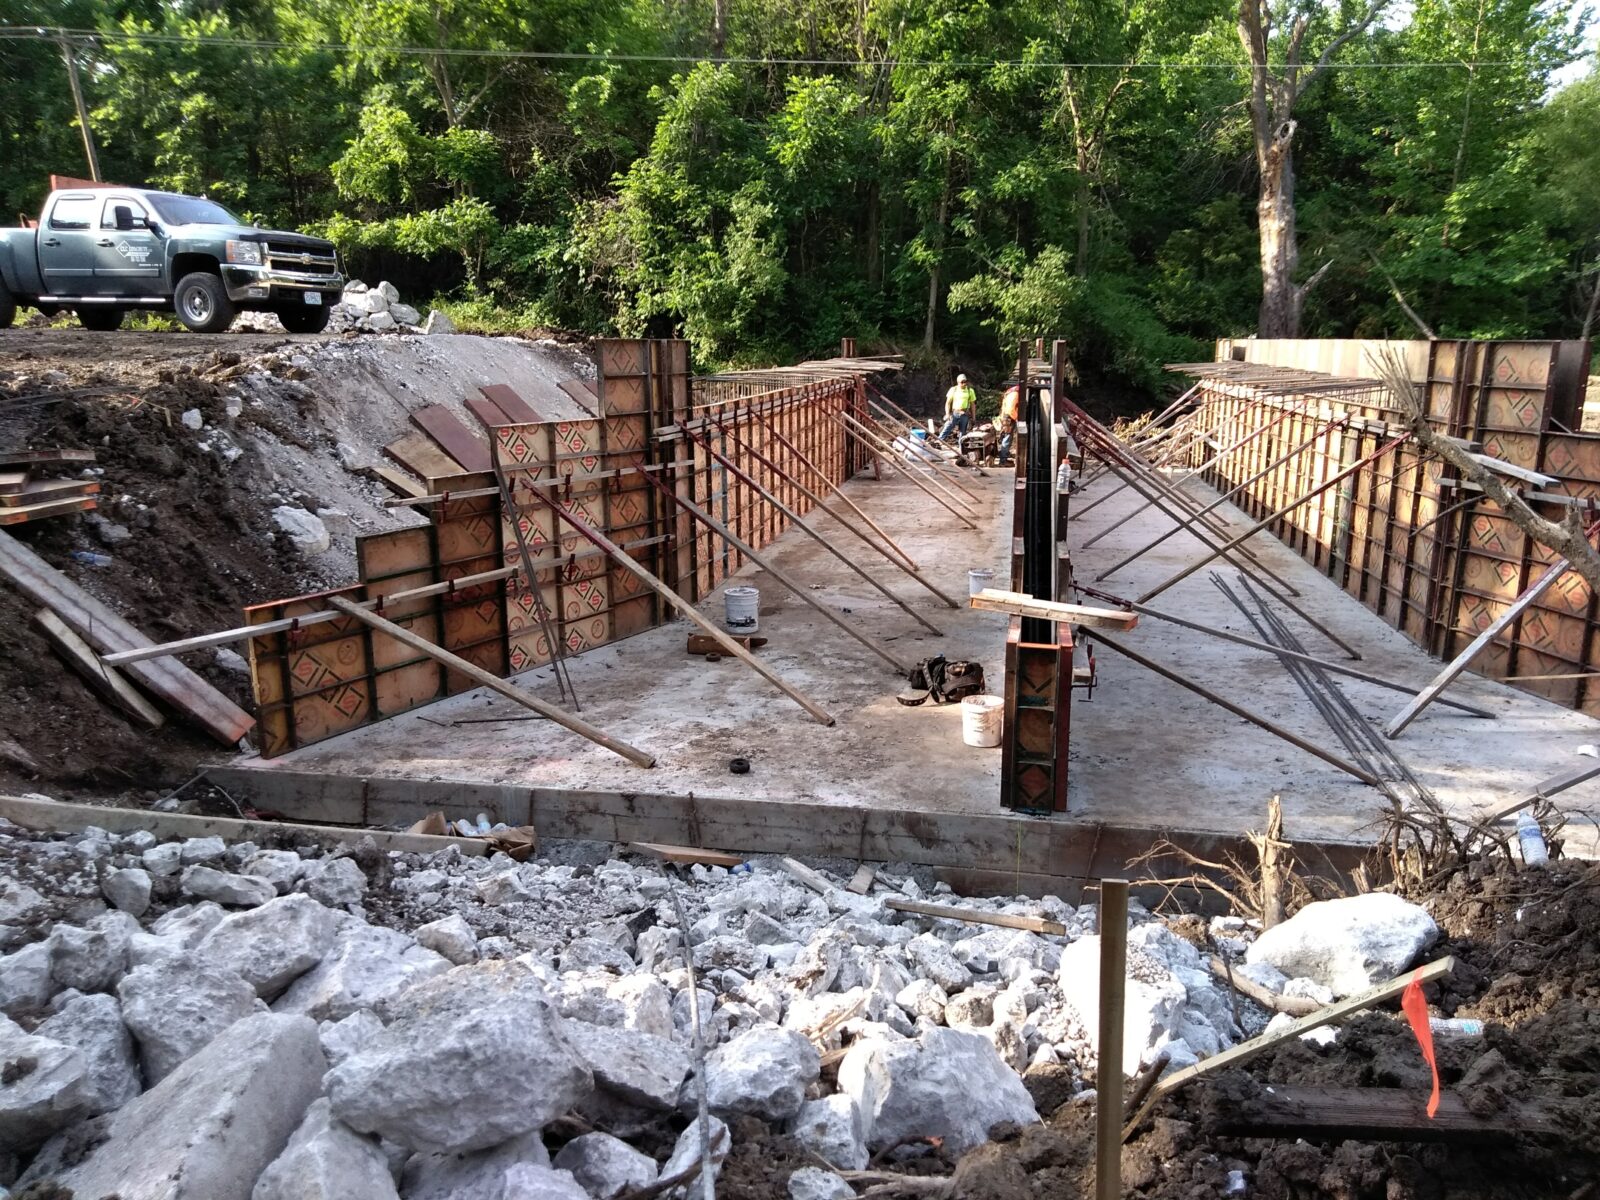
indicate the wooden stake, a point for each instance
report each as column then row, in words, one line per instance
column 973, row 916
column 729, row 646
column 491, row 681
column 1108, row 1075
column 1270, row 846
column 108, row 681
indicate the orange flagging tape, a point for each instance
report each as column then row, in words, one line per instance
column 1415, row 1006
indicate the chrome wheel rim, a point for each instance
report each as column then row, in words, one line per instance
column 197, row 305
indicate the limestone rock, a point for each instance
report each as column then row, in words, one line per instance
column 281, row 868
column 368, row 301
column 1347, row 945
column 326, row 1160
column 523, row 1182
column 813, row 1183
column 91, row 959
column 932, row 959
column 605, row 1166
column 240, row 891
column 163, row 860
column 273, row 945
column 305, row 532
column 1152, row 1006
column 646, row 1004
column 175, row 1008
column 469, row 1059
column 182, row 929
column 687, row 1151
column 389, row 292
column 93, row 1026
column 583, row 953
column 438, row 322
column 365, row 966
column 336, row 882
column 341, row 1039
column 832, row 1129
column 208, row 1130
column 231, row 661
column 379, row 322
column 945, row 1083
column 192, row 419
column 201, row 850
column 128, row 889
column 404, row 314
column 44, row 1087
column 451, row 937
column 19, row 903
column 763, row 1072
column 923, row 998
column 637, row 1067
column 477, row 1176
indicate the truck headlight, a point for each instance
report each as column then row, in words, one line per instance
column 246, row 253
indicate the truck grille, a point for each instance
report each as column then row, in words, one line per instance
column 310, row 260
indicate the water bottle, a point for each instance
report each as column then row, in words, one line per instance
column 1534, row 851
column 1455, row 1026
column 483, row 822
column 1064, row 477
column 92, row 558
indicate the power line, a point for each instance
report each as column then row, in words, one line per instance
column 52, row 33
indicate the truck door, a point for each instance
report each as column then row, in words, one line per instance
column 127, row 256
column 66, row 244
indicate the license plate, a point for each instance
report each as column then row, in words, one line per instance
column 313, row 297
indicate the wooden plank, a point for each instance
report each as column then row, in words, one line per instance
column 49, row 456
column 700, row 643
column 1245, row 1051
column 37, row 491
column 1550, row 787
column 493, row 682
column 23, row 513
column 106, row 632
column 973, row 916
column 861, row 882
column 1295, row 1006
column 420, row 454
column 517, row 410
column 61, row 817
column 12, row 482
column 814, row 880
column 487, row 411
column 686, row 854
column 583, row 391
column 1375, row 1115
column 107, row 681
column 459, row 442
column 1020, row 605
column 400, row 483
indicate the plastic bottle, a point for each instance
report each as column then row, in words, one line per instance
column 1455, row 1026
column 1064, row 477
column 92, row 558
column 1534, row 851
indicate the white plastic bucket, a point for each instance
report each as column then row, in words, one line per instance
column 743, row 609
column 980, row 720
column 979, row 578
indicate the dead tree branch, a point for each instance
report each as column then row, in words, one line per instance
column 1400, row 299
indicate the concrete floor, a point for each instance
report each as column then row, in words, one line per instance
column 1145, row 753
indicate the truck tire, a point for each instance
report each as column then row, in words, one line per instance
column 202, row 303
column 304, row 318
column 8, row 308
column 101, row 320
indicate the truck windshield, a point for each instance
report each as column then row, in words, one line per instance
column 190, row 210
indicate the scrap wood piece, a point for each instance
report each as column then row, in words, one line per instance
column 814, row 880
column 517, row 410
column 459, row 442
column 420, row 454
column 1326, row 1015
column 107, row 681
column 487, row 411
column 399, row 482
column 700, row 643
column 47, row 457
column 38, row 491
column 12, row 482
column 1295, row 1006
column 1375, row 1114
column 1553, row 786
column 861, row 882
column 976, row 916
column 107, row 632
column 61, row 817
column 686, row 854
column 1022, row 605
column 23, row 513
column 493, row 682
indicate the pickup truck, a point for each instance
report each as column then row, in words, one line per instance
column 102, row 251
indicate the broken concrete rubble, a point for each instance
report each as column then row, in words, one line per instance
column 271, row 946
column 605, row 1166
column 326, row 1160
column 176, row 1006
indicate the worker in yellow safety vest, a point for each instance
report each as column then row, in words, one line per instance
column 1006, row 423
column 959, row 402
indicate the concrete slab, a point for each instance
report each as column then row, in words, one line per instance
column 1148, row 758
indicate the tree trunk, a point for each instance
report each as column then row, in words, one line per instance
column 1080, row 264
column 874, row 218
column 941, row 221
column 1280, row 249
column 719, row 28
column 1594, row 304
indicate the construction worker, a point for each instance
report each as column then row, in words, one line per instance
column 1006, row 423
column 959, row 402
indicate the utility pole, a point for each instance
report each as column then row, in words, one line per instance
column 83, row 112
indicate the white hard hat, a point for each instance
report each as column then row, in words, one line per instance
column 961, row 378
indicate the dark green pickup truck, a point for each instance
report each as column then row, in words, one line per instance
column 105, row 250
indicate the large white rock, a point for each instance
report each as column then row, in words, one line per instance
column 813, row 1183
column 945, row 1083
column 370, row 301
column 477, row 1176
column 1153, row 1000
column 605, row 1166
column 451, row 937
column 44, row 1087
column 180, row 930
column 468, row 1060
column 404, row 313
column 687, row 1151
column 175, row 1008
column 306, row 533
column 832, row 1129
column 273, row 945
column 201, row 850
column 91, row 959
column 379, row 322
column 389, row 292
column 280, row 868
column 128, row 889
column 336, row 882
column 25, row 980
column 636, row 1067
column 439, row 322
column 93, row 1026
column 19, row 903
column 932, row 959
column 326, row 1160
column 208, row 1130
column 764, row 1072
column 646, row 1004
column 365, row 966
column 341, row 1039
column 238, row 891
column 1347, row 945
column 541, row 1183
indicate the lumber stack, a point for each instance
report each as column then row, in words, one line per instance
column 29, row 493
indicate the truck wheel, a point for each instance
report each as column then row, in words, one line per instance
column 101, row 320
column 202, row 303
column 8, row 308
column 304, row 318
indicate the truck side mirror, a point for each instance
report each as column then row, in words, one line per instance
column 125, row 218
